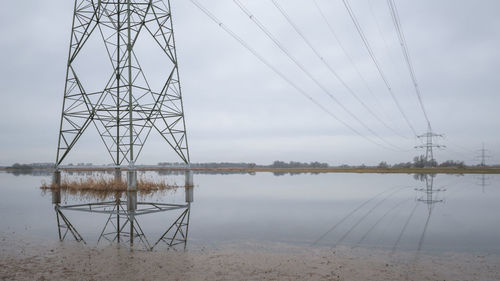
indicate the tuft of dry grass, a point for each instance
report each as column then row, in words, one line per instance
column 107, row 185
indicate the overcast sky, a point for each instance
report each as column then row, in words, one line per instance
column 237, row 109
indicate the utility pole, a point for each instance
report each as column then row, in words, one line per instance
column 429, row 144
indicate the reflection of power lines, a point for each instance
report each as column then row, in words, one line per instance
column 349, row 215
column 428, row 198
column 370, row 211
column 122, row 224
column 404, row 229
column 379, row 220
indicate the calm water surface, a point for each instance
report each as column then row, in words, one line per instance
column 393, row 212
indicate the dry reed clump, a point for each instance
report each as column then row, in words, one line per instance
column 107, row 185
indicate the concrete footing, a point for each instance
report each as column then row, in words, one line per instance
column 131, row 201
column 189, row 186
column 56, row 187
column 132, row 180
column 189, row 190
column 118, row 175
column 189, row 178
column 56, row 178
column 56, row 196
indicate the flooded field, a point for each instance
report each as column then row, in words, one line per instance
column 262, row 226
column 429, row 214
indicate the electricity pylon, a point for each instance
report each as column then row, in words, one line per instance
column 482, row 155
column 126, row 108
column 429, row 144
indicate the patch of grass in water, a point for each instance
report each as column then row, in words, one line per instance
column 102, row 186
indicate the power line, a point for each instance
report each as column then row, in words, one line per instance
column 406, row 54
column 279, row 73
column 379, row 30
column 377, row 65
column 308, row 74
column 462, row 147
column 330, row 68
column 344, row 50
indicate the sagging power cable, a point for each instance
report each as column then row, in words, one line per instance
column 254, row 19
column 329, row 67
column 279, row 73
column 377, row 65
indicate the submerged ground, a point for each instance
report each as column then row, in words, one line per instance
column 268, row 227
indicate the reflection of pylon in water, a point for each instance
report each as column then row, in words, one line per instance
column 177, row 233
column 429, row 199
column 64, row 226
column 122, row 226
column 429, row 192
column 483, row 181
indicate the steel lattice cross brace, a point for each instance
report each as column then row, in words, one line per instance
column 122, row 225
column 64, row 226
column 429, row 192
column 428, row 144
column 127, row 107
column 177, row 233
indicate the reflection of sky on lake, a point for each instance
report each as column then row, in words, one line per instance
column 298, row 209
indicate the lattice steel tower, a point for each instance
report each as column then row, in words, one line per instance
column 483, row 155
column 126, row 108
column 429, row 144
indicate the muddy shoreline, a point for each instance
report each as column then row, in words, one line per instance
column 23, row 260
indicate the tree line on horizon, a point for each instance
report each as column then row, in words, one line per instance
column 418, row 162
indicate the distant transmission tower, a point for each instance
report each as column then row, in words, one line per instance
column 483, row 154
column 429, row 144
column 126, row 108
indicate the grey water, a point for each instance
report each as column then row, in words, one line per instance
column 396, row 212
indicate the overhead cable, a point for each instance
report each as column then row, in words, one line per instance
column 344, row 50
column 330, row 68
column 377, row 65
column 308, row 74
column 406, row 55
column 280, row 74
